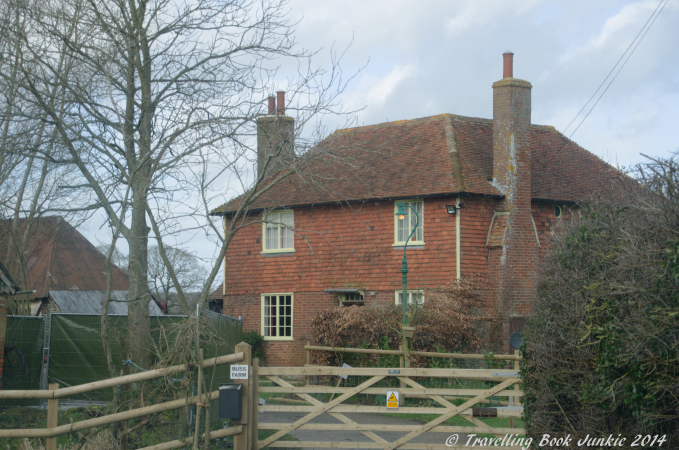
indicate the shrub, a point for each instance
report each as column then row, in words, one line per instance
column 256, row 341
column 601, row 349
column 448, row 321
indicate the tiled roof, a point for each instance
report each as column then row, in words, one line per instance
column 58, row 257
column 432, row 156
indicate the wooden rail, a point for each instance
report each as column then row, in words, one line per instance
column 54, row 430
column 409, row 387
column 380, row 391
column 118, row 381
column 463, row 374
column 103, row 420
column 349, row 408
column 309, row 348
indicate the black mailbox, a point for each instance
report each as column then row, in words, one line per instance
column 230, row 400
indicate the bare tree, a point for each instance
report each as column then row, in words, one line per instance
column 153, row 95
column 187, row 269
column 117, row 257
column 30, row 173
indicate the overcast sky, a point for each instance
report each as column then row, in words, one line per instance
column 443, row 56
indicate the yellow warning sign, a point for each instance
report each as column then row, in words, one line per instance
column 392, row 399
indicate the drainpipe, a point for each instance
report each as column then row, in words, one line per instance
column 457, row 236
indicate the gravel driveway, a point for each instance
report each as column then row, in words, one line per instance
column 353, row 436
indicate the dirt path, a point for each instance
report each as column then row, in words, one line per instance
column 354, row 436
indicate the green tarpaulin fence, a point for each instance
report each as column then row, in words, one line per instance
column 73, row 352
column 25, row 339
column 76, row 353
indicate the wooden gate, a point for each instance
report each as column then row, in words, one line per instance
column 408, row 387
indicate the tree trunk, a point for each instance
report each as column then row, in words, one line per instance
column 138, row 336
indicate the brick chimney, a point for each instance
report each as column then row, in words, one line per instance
column 514, row 265
column 275, row 137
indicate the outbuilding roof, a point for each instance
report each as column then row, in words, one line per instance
column 58, row 257
column 89, row 302
column 432, row 156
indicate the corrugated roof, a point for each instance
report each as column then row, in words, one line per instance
column 89, row 302
column 432, row 156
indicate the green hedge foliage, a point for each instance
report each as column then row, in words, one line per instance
column 602, row 348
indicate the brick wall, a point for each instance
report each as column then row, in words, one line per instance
column 338, row 246
column 305, row 307
column 335, row 247
column 545, row 220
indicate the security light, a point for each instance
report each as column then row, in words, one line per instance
column 452, row 209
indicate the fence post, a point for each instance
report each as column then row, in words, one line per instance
column 515, row 400
column 241, row 441
column 52, row 416
column 400, row 358
column 196, row 434
column 255, row 402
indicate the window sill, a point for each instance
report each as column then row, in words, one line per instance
column 275, row 339
column 410, row 245
column 277, row 252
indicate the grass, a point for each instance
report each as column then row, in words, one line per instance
column 151, row 430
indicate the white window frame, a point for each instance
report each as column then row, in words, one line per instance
column 418, row 205
column 277, row 326
column 411, row 293
column 343, row 298
column 276, row 220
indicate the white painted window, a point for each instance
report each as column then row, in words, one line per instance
column 351, row 298
column 414, row 297
column 403, row 227
column 277, row 316
column 277, row 232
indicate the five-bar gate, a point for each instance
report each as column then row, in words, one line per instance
column 409, row 386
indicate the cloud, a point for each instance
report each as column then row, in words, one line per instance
column 382, row 88
column 617, row 32
column 477, row 13
column 374, row 92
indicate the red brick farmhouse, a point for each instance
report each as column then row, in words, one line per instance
column 334, row 239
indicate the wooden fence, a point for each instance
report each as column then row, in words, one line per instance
column 474, row 356
column 410, row 387
column 309, row 348
column 241, row 431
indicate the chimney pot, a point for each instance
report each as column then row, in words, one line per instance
column 272, row 105
column 508, row 66
column 281, row 102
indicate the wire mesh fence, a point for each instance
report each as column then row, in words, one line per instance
column 23, row 357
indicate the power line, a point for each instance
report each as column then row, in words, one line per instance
column 633, row 46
